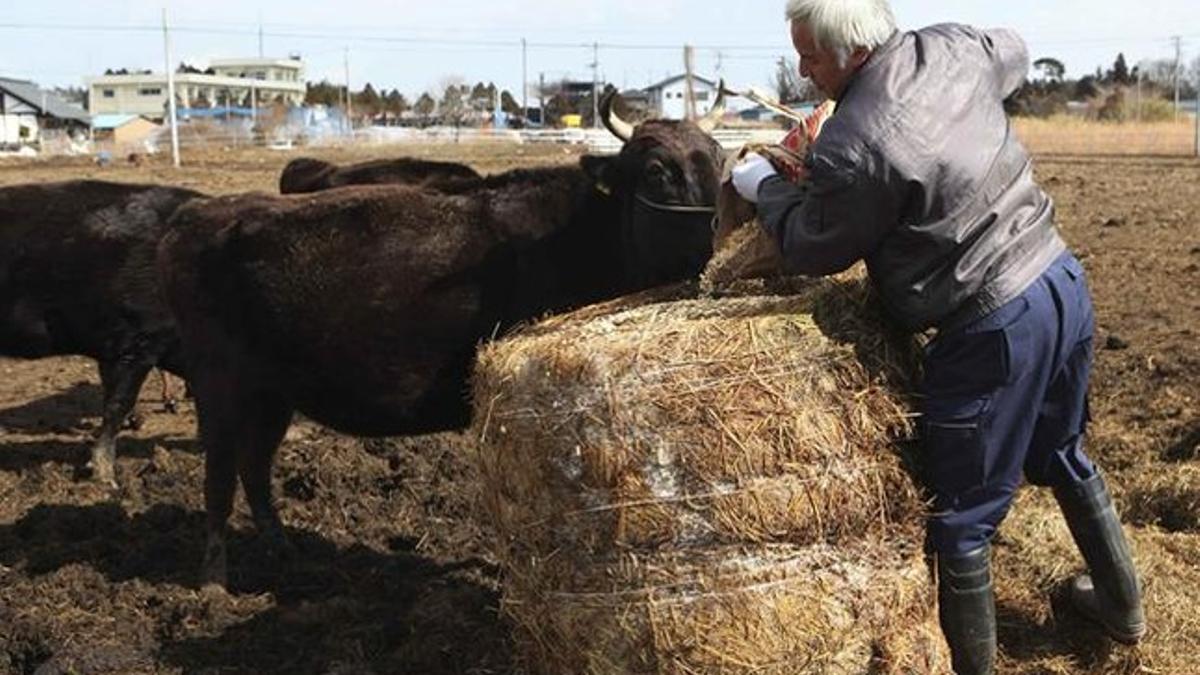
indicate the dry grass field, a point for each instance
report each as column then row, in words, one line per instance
column 1073, row 136
column 394, row 574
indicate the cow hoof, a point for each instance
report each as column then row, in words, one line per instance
column 214, row 570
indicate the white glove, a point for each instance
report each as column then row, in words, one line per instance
column 749, row 173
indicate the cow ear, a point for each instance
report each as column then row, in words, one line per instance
column 603, row 171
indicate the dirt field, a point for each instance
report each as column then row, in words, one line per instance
column 393, row 575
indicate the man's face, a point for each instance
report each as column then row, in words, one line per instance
column 821, row 65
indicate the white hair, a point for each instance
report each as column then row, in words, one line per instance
column 845, row 25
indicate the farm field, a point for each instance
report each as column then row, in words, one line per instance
column 393, row 573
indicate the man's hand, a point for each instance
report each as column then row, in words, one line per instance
column 749, row 174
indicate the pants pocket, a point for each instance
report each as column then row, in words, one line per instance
column 955, row 452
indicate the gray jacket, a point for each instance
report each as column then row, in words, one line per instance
column 919, row 173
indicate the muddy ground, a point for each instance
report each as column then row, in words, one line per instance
column 392, row 573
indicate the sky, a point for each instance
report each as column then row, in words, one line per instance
column 422, row 46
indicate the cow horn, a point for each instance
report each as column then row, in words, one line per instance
column 619, row 127
column 710, row 121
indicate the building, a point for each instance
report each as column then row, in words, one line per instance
column 122, row 131
column 666, row 98
column 26, row 110
column 231, row 83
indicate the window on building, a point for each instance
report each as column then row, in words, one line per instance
column 150, row 91
column 702, row 96
column 108, row 93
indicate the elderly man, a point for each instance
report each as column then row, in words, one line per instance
column 919, row 173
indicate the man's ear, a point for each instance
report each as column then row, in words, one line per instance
column 602, row 170
column 859, row 56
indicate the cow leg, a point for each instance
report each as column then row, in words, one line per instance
column 169, row 402
column 217, row 409
column 122, row 381
column 265, row 429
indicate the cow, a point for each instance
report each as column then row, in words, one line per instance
column 304, row 175
column 78, row 276
column 361, row 307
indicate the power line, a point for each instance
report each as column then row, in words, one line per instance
column 312, row 35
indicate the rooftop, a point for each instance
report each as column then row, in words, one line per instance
column 36, row 97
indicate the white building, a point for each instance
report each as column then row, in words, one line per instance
column 668, row 97
column 26, row 110
column 232, row 83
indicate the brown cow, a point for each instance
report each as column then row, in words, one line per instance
column 361, row 307
column 77, row 276
column 313, row 175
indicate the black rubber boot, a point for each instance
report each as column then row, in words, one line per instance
column 967, row 610
column 1110, row 594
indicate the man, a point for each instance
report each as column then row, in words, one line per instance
column 918, row 173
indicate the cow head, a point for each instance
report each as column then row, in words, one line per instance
column 666, row 177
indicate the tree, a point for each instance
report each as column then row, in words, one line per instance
column 396, row 103
column 424, row 107
column 509, row 105
column 556, row 106
column 323, row 93
column 1086, row 88
column 482, row 97
column 1051, row 69
column 367, row 101
column 790, row 88
column 1120, row 71
column 453, row 106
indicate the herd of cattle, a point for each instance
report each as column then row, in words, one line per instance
column 357, row 298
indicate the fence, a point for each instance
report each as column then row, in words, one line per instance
column 1067, row 136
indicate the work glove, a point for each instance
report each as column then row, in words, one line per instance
column 750, row 173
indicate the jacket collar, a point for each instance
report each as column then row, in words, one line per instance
column 878, row 55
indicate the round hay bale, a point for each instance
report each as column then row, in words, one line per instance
column 684, row 484
column 767, row 609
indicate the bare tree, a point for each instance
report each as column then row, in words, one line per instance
column 790, row 88
column 453, row 109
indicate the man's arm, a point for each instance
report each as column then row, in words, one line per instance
column 835, row 219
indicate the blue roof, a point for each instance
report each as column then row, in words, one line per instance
column 112, row 121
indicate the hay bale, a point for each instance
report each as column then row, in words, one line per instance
column 706, row 485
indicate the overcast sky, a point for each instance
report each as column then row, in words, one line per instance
column 417, row 46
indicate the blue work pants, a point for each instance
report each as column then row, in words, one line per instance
column 1002, row 396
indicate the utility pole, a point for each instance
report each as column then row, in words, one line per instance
column 1178, row 55
column 524, row 79
column 41, row 132
column 1196, row 113
column 170, row 91
column 260, row 36
column 1138, row 115
column 542, row 99
column 689, row 84
column 349, row 101
column 595, row 85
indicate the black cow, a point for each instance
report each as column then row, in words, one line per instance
column 313, row 175
column 77, row 276
column 361, row 307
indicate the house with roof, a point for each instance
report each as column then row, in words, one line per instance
column 122, row 131
column 668, row 97
column 27, row 110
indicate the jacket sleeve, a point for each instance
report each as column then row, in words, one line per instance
column 838, row 217
column 1010, row 58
